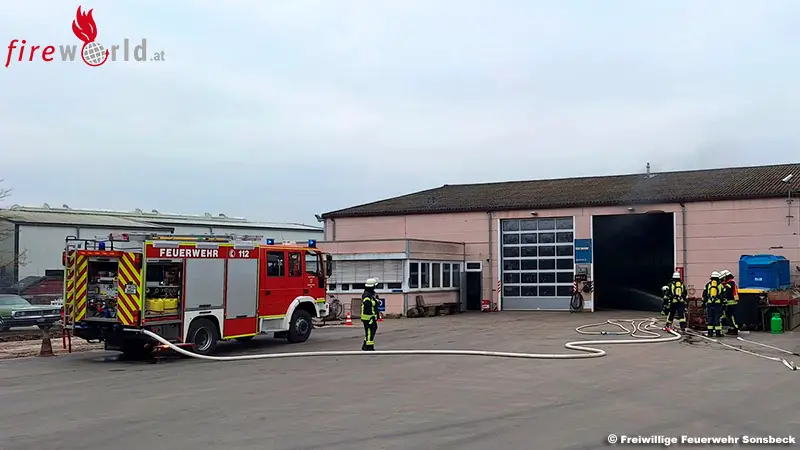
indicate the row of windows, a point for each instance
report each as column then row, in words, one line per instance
column 561, row 223
column 537, row 291
column 537, row 277
column 564, row 237
column 360, row 286
column 564, row 251
column 538, row 264
column 434, row 275
column 276, row 264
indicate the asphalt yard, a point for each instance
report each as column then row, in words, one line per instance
column 91, row 400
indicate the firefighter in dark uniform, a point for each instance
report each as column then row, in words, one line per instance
column 714, row 302
column 369, row 314
column 676, row 292
column 731, row 301
column 666, row 300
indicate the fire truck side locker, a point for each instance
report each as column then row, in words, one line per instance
column 241, row 299
column 204, row 295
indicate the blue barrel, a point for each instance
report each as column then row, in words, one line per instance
column 764, row 271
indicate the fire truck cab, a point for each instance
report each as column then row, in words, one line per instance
column 195, row 290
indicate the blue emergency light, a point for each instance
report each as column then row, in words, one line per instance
column 270, row 241
column 312, row 243
column 101, row 245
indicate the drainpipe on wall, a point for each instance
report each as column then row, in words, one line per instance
column 683, row 238
column 333, row 229
column 490, row 218
column 406, row 269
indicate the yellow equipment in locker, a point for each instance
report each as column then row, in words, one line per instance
column 171, row 305
column 155, row 305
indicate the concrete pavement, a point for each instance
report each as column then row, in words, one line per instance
column 91, row 401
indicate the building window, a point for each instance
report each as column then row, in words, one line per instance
column 413, row 275
column 538, row 263
column 275, row 264
column 350, row 275
column 436, row 275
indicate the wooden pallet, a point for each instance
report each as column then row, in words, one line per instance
column 695, row 314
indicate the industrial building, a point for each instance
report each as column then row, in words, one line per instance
column 519, row 245
column 32, row 238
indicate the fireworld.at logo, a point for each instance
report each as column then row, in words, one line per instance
column 92, row 53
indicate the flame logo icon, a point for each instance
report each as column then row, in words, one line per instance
column 85, row 28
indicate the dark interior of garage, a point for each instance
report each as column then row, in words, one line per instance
column 633, row 258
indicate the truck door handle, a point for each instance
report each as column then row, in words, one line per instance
column 305, row 291
column 266, row 292
column 204, row 306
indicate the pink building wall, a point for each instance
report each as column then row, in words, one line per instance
column 717, row 233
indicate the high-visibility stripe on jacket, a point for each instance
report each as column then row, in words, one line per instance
column 369, row 306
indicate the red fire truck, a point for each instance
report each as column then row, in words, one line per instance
column 195, row 290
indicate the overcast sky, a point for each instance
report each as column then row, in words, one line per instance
column 277, row 110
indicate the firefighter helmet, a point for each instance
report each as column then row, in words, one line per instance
column 371, row 283
column 714, row 274
column 676, row 275
column 664, row 288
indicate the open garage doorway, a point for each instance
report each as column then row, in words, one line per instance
column 634, row 255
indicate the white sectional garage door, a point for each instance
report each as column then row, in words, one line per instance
column 538, row 263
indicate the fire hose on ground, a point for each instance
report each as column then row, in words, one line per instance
column 789, row 364
column 640, row 330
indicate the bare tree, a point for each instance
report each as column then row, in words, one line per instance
column 8, row 259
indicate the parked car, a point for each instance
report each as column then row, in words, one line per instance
column 15, row 311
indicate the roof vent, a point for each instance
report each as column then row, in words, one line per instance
column 155, row 211
column 139, row 211
column 223, row 216
column 46, row 206
column 649, row 175
column 65, row 206
column 208, row 214
column 15, row 207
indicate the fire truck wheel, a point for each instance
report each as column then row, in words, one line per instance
column 300, row 327
column 204, row 335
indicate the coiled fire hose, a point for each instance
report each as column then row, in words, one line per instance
column 789, row 364
column 637, row 329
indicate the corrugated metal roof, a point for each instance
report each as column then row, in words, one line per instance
column 663, row 187
column 233, row 224
column 156, row 217
column 75, row 219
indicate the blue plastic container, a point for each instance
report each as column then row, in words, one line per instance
column 764, row 271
